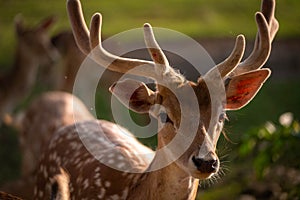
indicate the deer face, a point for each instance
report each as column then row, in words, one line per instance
column 199, row 159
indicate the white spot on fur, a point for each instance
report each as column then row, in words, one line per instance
column 102, row 193
column 97, row 169
column 98, row 182
column 78, row 179
column 111, row 155
column 125, row 193
column 115, row 197
column 120, row 165
column 41, row 194
column 71, row 188
column 107, row 184
column 77, row 161
column 86, row 184
column 97, row 175
column 120, row 157
column 111, row 161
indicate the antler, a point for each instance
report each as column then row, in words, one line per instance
column 267, row 28
column 90, row 43
column 229, row 64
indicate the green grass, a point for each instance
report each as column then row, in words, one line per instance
column 200, row 18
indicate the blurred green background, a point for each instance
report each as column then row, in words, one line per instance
column 196, row 18
column 255, row 153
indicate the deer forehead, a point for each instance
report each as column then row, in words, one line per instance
column 204, row 100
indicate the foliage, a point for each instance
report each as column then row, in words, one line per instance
column 272, row 100
column 264, row 164
column 271, row 144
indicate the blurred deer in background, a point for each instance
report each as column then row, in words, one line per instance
column 134, row 176
column 33, row 48
column 61, row 75
column 44, row 116
column 57, row 111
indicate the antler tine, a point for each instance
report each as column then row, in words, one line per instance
column 115, row 63
column 80, row 30
column 87, row 40
column 154, row 49
column 268, row 9
column 162, row 66
column 267, row 29
column 95, row 31
column 233, row 60
column 261, row 50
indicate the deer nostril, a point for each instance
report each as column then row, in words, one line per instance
column 206, row 166
column 197, row 161
column 215, row 164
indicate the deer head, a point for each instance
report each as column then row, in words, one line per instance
column 33, row 49
column 35, row 40
column 230, row 85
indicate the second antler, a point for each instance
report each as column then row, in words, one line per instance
column 267, row 28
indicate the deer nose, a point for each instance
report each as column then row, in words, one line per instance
column 206, row 166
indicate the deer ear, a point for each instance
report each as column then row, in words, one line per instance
column 19, row 24
column 46, row 23
column 134, row 95
column 241, row 89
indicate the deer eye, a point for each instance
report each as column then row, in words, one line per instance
column 164, row 118
column 223, row 117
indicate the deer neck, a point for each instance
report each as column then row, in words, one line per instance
column 25, row 67
column 170, row 182
column 17, row 83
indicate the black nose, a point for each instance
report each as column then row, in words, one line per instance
column 206, row 166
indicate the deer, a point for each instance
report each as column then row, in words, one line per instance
column 34, row 135
column 33, row 49
column 61, row 75
column 115, row 165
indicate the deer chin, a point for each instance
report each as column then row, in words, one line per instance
column 200, row 175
